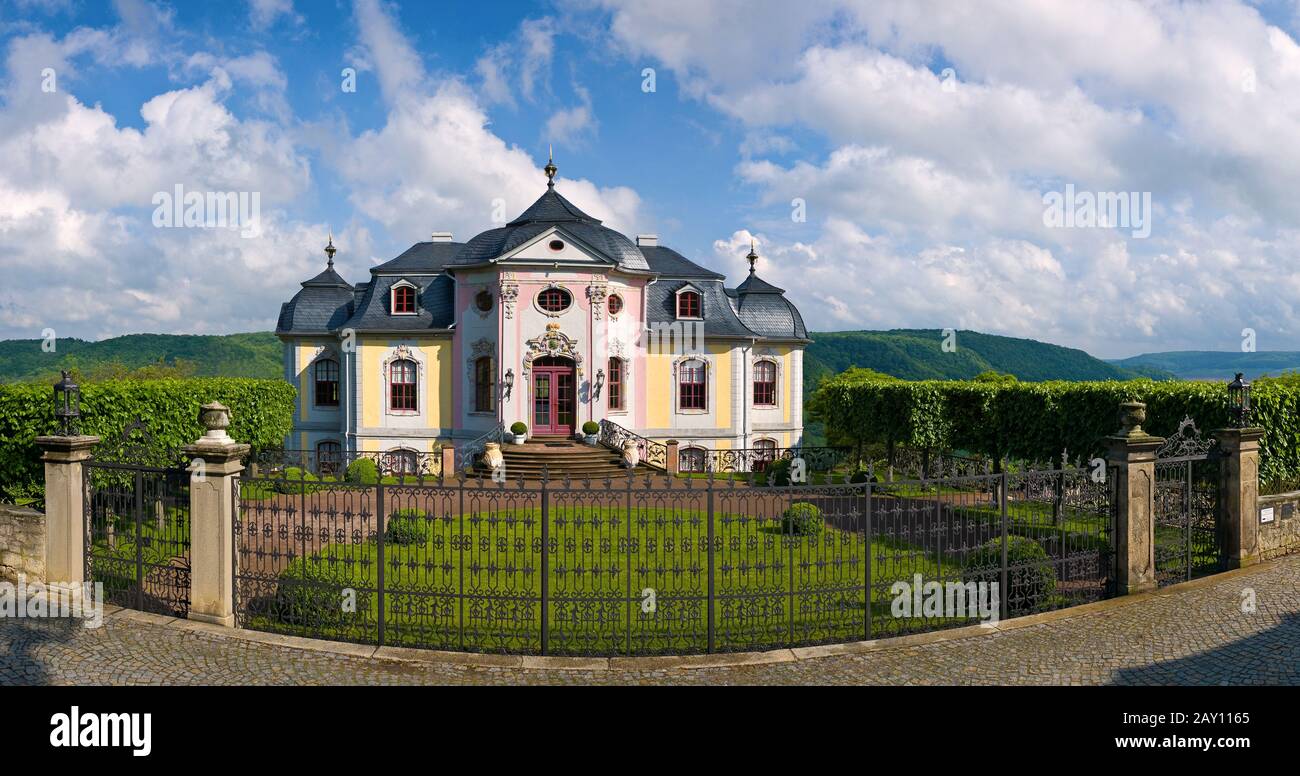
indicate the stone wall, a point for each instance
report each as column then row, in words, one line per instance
column 22, row 543
column 1282, row 535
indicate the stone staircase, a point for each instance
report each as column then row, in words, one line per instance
column 559, row 457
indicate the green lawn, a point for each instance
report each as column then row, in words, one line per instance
column 595, row 599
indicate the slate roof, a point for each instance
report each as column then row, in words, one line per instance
column 553, row 210
column 763, row 308
column 327, row 302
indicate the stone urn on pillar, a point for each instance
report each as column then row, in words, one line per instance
column 631, row 456
column 215, row 417
column 1132, row 414
column 492, row 456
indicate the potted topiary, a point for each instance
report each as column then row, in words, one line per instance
column 591, row 432
column 520, row 431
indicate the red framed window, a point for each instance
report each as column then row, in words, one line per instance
column 692, row 385
column 403, row 299
column 554, row 300
column 401, row 461
column 688, row 305
column 326, row 377
column 615, row 304
column 764, row 453
column 615, row 372
column 765, row 383
column 484, row 383
column 402, row 385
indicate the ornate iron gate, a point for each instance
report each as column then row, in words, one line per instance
column 1188, row 540
column 137, row 496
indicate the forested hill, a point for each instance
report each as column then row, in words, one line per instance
column 232, row 355
column 917, row 354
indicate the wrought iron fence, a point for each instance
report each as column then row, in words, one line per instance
column 657, row 565
column 334, row 464
column 650, row 452
column 757, row 459
column 137, row 523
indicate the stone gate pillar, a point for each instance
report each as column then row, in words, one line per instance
column 216, row 460
column 672, row 462
column 1132, row 458
column 1238, row 495
column 65, row 508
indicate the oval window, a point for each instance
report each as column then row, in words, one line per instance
column 554, row 300
column 615, row 304
column 557, row 245
column 483, row 301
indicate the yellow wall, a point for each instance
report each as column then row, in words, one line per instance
column 436, row 385
column 659, row 391
column 720, row 384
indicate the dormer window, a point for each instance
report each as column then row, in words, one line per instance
column 688, row 305
column 403, row 299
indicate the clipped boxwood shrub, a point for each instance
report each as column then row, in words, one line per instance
column 802, row 518
column 261, row 414
column 311, row 594
column 591, row 428
column 1031, row 577
column 362, row 471
column 778, row 472
column 519, row 428
column 407, row 526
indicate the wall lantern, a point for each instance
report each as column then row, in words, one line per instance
column 1239, row 401
column 509, row 382
column 67, row 405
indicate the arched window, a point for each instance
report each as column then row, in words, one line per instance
column 690, row 459
column 325, row 374
column 329, row 457
column 764, row 453
column 403, row 300
column 615, row 304
column 615, row 384
column 554, row 300
column 764, row 383
column 401, row 461
column 484, row 385
column 688, row 305
column 692, row 385
column 402, row 385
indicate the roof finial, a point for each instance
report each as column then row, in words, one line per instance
column 752, row 257
column 330, row 250
column 551, row 169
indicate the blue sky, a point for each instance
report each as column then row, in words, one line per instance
column 923, row 187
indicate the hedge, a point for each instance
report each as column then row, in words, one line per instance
column 1035, row 421
column 261, row 415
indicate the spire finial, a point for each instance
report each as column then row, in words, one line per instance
column 752, row 257
column 330, row 250
column 551, row 169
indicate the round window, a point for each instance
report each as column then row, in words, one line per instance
column 483, row 301
column 557, row 245
column 615, row 304
column 554, row 300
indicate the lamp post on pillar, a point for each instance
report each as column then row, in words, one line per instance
column 1133, row 458
column 216, row 460
column 1239, row 479
column 65, row 491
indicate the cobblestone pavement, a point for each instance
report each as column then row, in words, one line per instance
column 1189, row 636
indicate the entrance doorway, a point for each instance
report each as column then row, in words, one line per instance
column 554, row 397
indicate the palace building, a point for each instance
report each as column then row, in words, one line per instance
column 552, row 320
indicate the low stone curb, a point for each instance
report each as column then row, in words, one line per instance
column 670, row 662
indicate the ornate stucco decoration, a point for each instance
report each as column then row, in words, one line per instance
column 509, row 294
column 617, row 349
column 596, row 294
column 553, row 343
